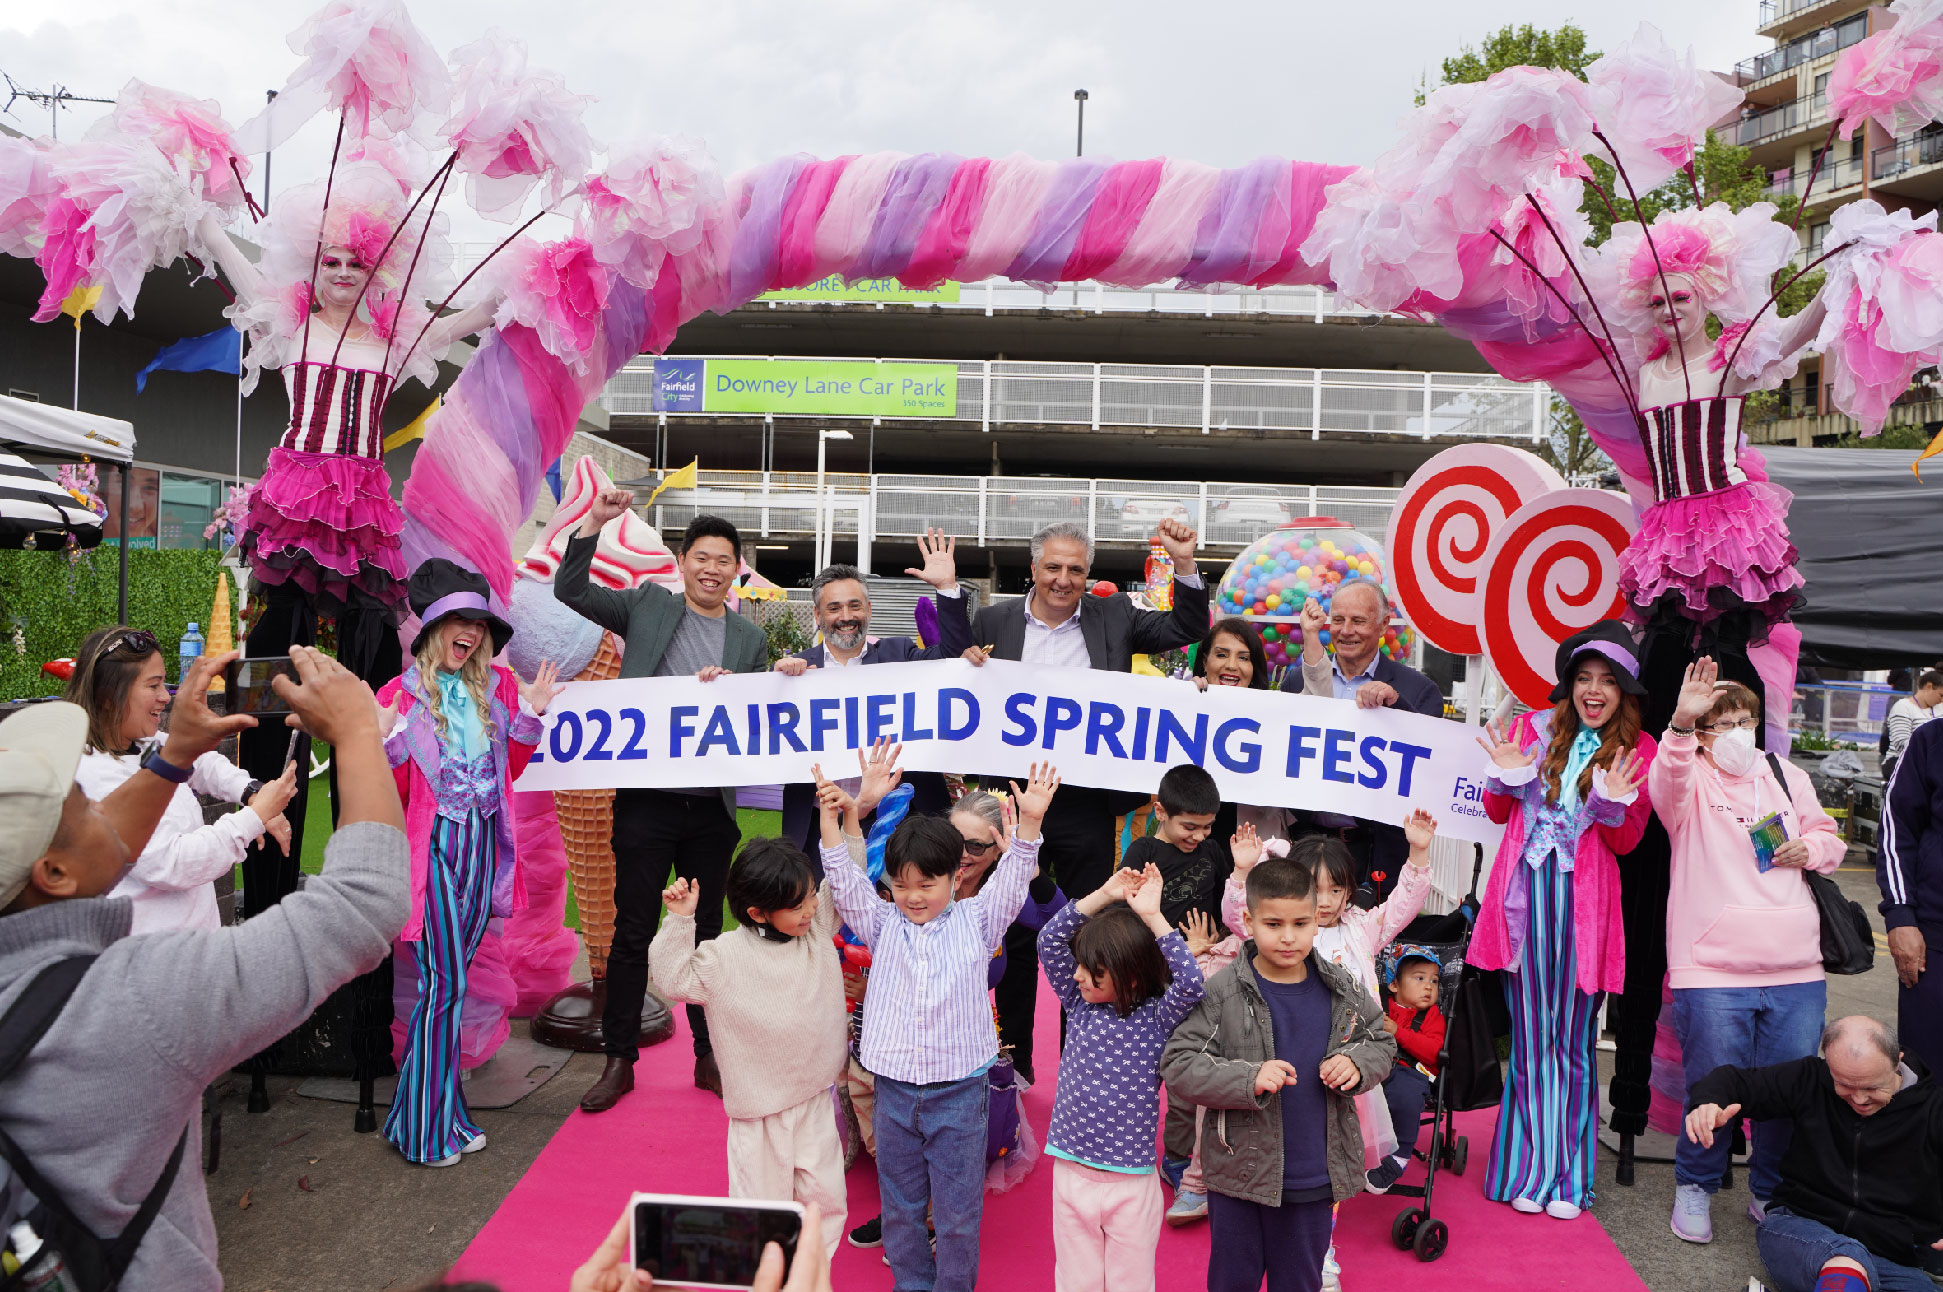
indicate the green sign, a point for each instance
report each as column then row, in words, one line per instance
column 834, row 288
column 830, row 388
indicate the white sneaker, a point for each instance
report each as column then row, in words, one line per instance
column 1560, row 1209
column 1526, row 1205
column 444, row 1161
column 476, row 1144
column 1693, row 1214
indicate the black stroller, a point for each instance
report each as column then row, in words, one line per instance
column 1468, row 1077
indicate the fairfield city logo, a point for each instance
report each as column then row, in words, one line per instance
column 1467, row 797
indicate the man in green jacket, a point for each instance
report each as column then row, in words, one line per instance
column 690, row 830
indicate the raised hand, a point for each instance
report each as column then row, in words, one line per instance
column 831, row 799
column 939, row 552
column 1703, row 1121
column 328, row 700
column 1117, row 887
column 1628, row 773
column 1339, row 1073
column 1502, row 751
column 1198, row 929
column 682, row 897
column 1315, row 621
column 1180, row 540
column 544, row 687
column 269, row 802
column 195, row 728
column 1419, row 828
column 1144, row 898
column 1036, row 797
column 881, row 773
column 607, row 504
column 1273, row 1075
column 1246, row 848
column 1696, row 692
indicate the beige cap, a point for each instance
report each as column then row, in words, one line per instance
column 40, row 748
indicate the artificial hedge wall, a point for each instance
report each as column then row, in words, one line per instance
column 49, row 601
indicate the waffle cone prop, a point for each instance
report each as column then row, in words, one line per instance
column 587, row 831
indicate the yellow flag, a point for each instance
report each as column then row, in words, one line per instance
column 1936, row 447
column 686, row 478
column 79, row 302
column 416, row 430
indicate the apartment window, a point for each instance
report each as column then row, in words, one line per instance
column 1821, row 83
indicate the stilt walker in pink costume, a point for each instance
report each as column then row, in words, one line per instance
column 460, row 731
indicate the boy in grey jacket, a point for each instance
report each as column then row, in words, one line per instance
column 1276, row 1052
column 100, row 1103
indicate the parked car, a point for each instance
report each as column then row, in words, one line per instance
column 1244, row 519
column 1140, row 517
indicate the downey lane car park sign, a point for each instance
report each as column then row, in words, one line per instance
column 834, row 288
column 806, row 387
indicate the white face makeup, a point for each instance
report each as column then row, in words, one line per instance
column 340, row 277
column 1675, row 307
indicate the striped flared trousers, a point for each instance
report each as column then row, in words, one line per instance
column 1547, row 1140
column 428, row 1119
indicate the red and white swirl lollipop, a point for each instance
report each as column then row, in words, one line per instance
column 1553, row 568
column 1442, row 526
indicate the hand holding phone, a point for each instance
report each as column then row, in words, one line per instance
column 691, row 1242
column 246, row 683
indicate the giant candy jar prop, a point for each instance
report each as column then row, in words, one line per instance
column 1274, row 575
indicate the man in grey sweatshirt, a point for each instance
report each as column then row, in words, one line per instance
column 100, row 1103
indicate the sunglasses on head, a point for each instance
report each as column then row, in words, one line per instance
column 975, row 848
column 137, row 642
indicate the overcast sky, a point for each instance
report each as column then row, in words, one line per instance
column 1221, row 81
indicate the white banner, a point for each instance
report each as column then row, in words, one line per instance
column 1110, row 730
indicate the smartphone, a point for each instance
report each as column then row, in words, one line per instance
column 246, row 684
column 708, row 1242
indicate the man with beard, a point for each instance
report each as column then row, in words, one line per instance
column 841, row 603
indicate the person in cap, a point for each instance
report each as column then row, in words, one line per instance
column 1743, row 933
column 1411, row 977
column 460, row 730
column 1567, row 784
column 112, row 1091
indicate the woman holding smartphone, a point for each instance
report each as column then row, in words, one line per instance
column 120, row 680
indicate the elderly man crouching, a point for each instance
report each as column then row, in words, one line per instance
column 1861, row 1195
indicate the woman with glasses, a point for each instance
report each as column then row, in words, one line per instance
column 120, row 681
column 1743, row 939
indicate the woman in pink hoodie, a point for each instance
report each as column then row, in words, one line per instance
column 1566, row 785
column 1743, row 940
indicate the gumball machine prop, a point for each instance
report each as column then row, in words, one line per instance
column 1274, row 575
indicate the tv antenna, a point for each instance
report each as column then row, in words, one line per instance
column 52, row 99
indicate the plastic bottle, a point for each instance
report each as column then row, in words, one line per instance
column 41, row 1267
column 188, row 651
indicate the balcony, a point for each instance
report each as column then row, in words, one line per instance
column 1778, row 123
column 1804, row 49
column 1293, row 402
column 1911, row 168
column 1835, row 176
column 1779, row 17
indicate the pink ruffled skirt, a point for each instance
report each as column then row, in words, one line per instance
column 1715, row 553
column 328, row 522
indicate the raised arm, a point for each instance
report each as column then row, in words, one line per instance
column 1185, row 987
column 243, row 277
column 1669, row 782
column 607, row 607
column 843, row 865
column 458, row 326
column 1056, row 946
column 997, row 905
column 680, row 969
column 1164, row 630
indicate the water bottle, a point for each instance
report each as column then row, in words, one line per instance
column 188, row 651
column 41, row 1267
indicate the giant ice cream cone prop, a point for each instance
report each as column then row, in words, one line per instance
column 630, row 553
column 587, row 830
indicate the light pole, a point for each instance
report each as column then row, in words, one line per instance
column 822, row 543
column 1079, row 144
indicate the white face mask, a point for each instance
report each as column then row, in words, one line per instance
column 1735, row 752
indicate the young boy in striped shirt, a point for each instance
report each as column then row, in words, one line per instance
column 928, row 1034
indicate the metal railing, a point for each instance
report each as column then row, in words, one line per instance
column 1803, row 49
column 996, row 294
column 1836, row 175
column 1296, row 401
column 1773, row 11
column 1008, row 510
column 1906, row 155
column 1798, row 114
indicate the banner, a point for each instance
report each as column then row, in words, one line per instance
column 806, row 387
column 1110, row 730
column 834, row 288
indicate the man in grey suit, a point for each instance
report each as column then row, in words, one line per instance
column 1059, row 624
column 690, row 830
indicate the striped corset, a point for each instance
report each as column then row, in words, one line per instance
column 335, row 409
column 1693, row 447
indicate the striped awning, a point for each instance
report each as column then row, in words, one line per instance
column 33, row 507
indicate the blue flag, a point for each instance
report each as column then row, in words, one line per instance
column 219, row 351
column 553, row 478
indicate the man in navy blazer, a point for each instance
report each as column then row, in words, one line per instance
column 841, row 603
column 1359, row 615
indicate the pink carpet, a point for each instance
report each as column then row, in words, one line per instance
column 667, row 1136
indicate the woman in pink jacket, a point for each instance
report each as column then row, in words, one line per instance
column 1566, row 784
column 461, row 730
column 1743, row 939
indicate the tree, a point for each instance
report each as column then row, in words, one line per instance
column 1525, row 46
column 1568, row 446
